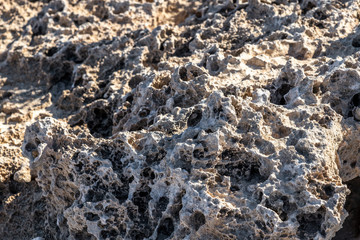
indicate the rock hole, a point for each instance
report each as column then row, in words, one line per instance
column 141, row 199
column 105, row 234
column 148, row 173
column 142, row 124
column 199, row 154
column 241, row 166
column 94, row 196
column 234, row 188
column 310, row 223
column 137, row 234
column 183, row 51
column 70, row 53
column 279, row 96
column 130, row 98
column 198, row 14
column 316, row 88
column 329, row 190
column 162, row 204
column 144, row 112
column 321, row 26
column 121, row 193
column 39, row 29
column 91, row 216
column 185, row 101
column 183, row 74
column 155, row 157
column 14, row 187
column 5, row 95
column 56, row 18
column 197, row 219
column 165, row 229
column 355, row 100
column 154, row 58
column 281, row 205
column 99, row 122
column 356, row 42
column 319, row 15
column 78, row 81
column 195, row 73
column 259, row 196
column 136, row 80
column 308, row 7
column 83, row 234
column 51, row 51
column 102, row 84
column 194, row 118
column 30, row 147
column 61, row 72
column 177, row 205
column 354, row 105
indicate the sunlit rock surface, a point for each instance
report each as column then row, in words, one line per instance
column 179, row 119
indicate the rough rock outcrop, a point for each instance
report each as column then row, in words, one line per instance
column 179, row 119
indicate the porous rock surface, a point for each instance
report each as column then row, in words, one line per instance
column 167, row 119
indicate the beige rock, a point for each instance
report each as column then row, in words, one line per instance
column 179, row 119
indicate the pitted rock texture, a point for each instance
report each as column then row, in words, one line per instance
column 211, row 119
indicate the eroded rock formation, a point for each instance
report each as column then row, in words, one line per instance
column 179, row 119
